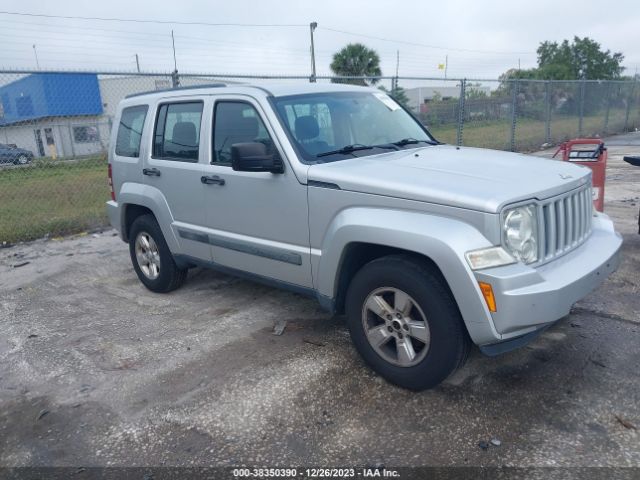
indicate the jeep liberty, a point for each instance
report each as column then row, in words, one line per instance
column 338, row 192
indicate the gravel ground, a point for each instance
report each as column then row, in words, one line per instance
column 95, row 371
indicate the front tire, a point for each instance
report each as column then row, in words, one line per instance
column 21, row 160
column 405, row 323
column 151, row 258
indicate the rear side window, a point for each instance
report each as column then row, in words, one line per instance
column 130, row 131
column 177, row 131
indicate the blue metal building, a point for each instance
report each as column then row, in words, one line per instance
column 52, row 114
column 44, row 95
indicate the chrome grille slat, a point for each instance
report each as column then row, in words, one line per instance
column 575, row 200
column 565, row 223
column 568, row 213
column 562, row 229
column 551, row 231
column 585, row 218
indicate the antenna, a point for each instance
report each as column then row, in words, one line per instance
column 35, row 52
column 312, row 27
column 173, row 42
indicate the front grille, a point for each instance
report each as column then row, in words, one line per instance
column 564, row 222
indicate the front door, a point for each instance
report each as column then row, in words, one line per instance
column 258, row 221
column 174, row 170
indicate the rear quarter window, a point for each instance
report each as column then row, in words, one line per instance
column 130, row 131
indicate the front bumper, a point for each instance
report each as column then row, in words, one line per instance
column 529, row 298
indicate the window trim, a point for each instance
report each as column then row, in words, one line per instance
column 144, row 121
column 155, row 125
column 213, row 128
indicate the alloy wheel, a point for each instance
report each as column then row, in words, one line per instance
column 395, row 326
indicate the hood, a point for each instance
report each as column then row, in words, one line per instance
column 472, row 178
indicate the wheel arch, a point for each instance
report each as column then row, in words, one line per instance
column 136, row 199
column 131, row 212
column 360, row 235
column 357, row 254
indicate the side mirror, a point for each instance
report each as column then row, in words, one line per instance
column 253, row 157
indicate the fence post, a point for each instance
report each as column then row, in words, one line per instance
column 514, row 115
column 629, row 102
column 461, row 102
column 581, row 107
column 73, row 150
column 605, row 128
column 547, row 112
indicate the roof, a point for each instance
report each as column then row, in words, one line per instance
column 275, row 90
column 43, row 95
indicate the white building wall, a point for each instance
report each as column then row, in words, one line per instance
column 64, row 144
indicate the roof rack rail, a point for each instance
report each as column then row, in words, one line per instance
column 191, row 87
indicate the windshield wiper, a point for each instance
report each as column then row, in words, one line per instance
column 354, row 148
column 410, row 141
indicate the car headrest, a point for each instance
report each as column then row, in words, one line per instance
column 307, row 128
column 184, row 134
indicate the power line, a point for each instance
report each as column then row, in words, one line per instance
column 335, row 30
column 160, row 22
column 438, row 47
column 63, row 30
column 76, row 27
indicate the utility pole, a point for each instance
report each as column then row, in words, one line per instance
column 35, row 52
column 518, row 64
column 395, row 85
column 446, row 65
column 137, row 63
column 312, row 27
column 174, row 76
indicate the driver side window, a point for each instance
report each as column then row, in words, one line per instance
column 236, row 122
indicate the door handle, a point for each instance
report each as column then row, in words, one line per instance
column 152, row 172
column 212, row 180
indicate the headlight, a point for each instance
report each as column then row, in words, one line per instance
column 520, row 230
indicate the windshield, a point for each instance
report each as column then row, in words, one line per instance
column 333, row 126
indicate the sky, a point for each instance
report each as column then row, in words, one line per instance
column 477, row 39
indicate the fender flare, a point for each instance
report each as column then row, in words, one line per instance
column 441, row 239
column 152, row 198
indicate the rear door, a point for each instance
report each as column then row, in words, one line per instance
column 175, row 166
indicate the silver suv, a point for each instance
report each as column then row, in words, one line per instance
column 338, row 192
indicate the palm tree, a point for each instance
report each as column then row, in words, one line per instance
column 356, row 60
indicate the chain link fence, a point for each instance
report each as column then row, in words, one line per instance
column 55, row 129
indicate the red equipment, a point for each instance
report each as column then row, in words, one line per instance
column 591, row 153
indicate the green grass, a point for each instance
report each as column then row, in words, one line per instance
column 54, row 198
column 530, row 134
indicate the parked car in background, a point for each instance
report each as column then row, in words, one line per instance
column 15, row 155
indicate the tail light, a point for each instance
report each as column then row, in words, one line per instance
column 110, row 173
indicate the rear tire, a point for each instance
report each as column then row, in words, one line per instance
column 398, row 307
column 151, row 258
